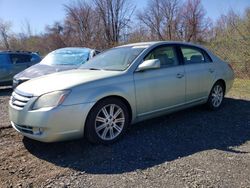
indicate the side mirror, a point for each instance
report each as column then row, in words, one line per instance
column 149, row 64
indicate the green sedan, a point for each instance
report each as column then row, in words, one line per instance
column 117, row 88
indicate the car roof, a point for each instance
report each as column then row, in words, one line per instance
column 16, row 52
column 148, row 44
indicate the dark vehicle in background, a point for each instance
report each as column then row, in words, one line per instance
column 13, row 62
column 56, row 61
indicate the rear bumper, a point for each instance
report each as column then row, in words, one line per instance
column 50, row 124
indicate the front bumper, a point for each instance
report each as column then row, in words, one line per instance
column 50, row 124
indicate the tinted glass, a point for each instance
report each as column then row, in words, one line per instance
column 114, row 59
column 67, row 57
column 3, row 59
column 20, row 58
column 192, row 55
column 166, row 55
column 35, row 58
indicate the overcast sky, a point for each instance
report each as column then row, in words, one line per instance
column 40, row 13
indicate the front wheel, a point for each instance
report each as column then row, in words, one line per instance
column 107, row 121
column 216, row 96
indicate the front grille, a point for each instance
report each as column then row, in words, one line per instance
column 19, row 100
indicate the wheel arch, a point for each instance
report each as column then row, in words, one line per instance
column 124, row 100
column 222, row 81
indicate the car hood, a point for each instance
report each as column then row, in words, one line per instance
column 63, row 80
column 42, row 69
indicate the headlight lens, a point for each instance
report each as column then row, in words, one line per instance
column 52, row 99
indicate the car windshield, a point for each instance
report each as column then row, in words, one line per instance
column 67, row 57
column 117, row 59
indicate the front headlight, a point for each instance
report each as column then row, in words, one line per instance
column 52, row 99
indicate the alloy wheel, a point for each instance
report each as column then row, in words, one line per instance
column 109, row 122
column 217, row 96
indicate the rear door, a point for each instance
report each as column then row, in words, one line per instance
column 163, row 88
column 200, row 73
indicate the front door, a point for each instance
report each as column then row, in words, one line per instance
column 160, row 89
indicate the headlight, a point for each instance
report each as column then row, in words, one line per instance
column 52, row 99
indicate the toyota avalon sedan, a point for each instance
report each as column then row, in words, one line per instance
column 117, row 88
column 59, row 60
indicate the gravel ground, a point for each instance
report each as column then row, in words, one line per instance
column 191, row 148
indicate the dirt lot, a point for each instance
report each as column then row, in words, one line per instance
column 191, row 148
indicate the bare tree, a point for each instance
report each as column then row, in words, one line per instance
column 54, row 37
column 170, row 10
column 161, row 18
column 26, row 28
column 115, row 16
column 4, row 33
column 192, row 21
column 78, row 22
column 153, row 18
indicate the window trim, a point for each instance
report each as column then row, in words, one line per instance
column 207, row 58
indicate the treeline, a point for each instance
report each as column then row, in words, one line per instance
column 105, row 23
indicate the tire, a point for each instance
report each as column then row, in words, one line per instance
column 216, row 96
column 107, row 121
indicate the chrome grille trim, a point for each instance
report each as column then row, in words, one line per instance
column 20, row 100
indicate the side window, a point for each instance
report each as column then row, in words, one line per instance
column 35, row 58
column 3, row 59
column 166, row 55
column 192, row 55
column 20, row 58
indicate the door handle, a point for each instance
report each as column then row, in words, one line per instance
column 179, row 75
column 211, row 70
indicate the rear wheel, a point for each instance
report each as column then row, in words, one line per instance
column 216, row 96
column 107, row 121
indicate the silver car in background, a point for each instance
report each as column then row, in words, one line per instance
column 56, row 61
column 119, row 87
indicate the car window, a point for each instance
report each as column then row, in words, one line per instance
column 67, row 56
column 166, row 55
column 116, row 59
column 35, row 58
column 20, row 58
column 3, row 59
column 192, row 55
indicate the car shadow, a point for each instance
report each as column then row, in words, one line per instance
column 156, row 141
column 5, row 91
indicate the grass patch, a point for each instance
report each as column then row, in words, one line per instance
column 240, row 89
